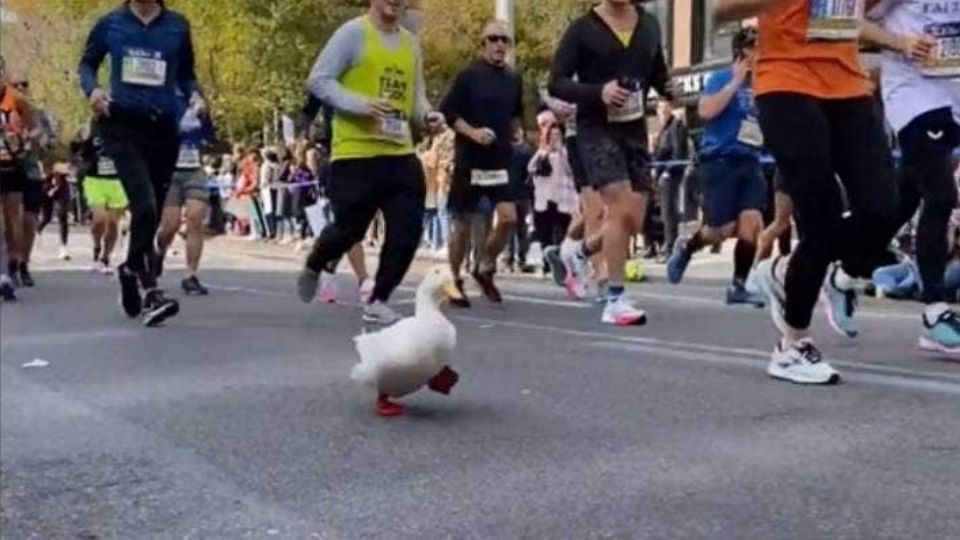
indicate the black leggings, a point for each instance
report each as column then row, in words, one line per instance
column 47, row 206
column 358, row 189
column 144, row 151
column 814, row 141
column 927, row 174
column 550, row 225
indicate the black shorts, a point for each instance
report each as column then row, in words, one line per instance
column 464, row 198
column 32, row 196
column 731, row 185
column 13, row 178
column 576, row 164
column 615, row 152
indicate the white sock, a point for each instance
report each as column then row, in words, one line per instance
column 842, row 281
column 932, row 312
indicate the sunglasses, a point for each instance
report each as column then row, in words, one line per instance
column 21, row 85
column 498, row 38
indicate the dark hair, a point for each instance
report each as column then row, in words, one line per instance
column 745, row 38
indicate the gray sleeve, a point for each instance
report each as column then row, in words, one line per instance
column 340, row 54
column 421, row 106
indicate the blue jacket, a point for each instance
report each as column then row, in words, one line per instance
column 122, row 35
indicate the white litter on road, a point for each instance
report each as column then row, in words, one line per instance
column 36, row 362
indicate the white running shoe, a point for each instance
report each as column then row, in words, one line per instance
column 380, row 313
column 101, row 268
column 64, row 255
column 620, row 312
column 366, row 290
column 577, row 270
column 802, row 364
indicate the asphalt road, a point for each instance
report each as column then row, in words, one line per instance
column 238, row 420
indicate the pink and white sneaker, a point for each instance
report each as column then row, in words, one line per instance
column 328, row 294
column 366, row 291
column 620, row 312
column 574, row 286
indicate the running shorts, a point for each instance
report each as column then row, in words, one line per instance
column 187, row 185
column 13, row 178
column 105, row 193
column 464, row 197
column 615, row 152
column 731, row 185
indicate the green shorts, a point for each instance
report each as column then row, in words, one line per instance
column 105, row 193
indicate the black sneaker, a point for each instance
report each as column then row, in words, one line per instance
column 6, row 292
column 130, row 299
column 463, row 301
column 13, row 271
column 488, row 287
column 25, row 278
column 157, row 308
column 192, row 286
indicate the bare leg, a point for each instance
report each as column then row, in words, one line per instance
column 28, row 234
column 458, row 243
column 12, row 206
column 98, row 230
column 110, row 234
column 506, row 214
column 781, row 223
column 626, row 211
column 358, row 262
column 169, row 226
column 196, row 215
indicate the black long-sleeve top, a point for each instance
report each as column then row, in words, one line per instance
column 591, row 51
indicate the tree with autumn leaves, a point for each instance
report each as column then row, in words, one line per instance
column 253, row 56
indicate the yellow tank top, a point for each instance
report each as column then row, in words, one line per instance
column 625, row 36
column 381, row 73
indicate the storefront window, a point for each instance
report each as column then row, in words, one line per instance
column 663, row 11
column 715, row 40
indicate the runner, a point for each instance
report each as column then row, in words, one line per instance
column 485, row 108
column 188, row 199
column 33, row 190
column 734, row 189
column 371, row 73
column 105, row 197
column 17, row 128
column 818, row 119
column 151, row 60
column 921, row 96
column 616, row 54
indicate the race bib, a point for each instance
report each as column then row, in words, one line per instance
column 749, row 133
column 632, row 110
column 571, row 126
column 144, row 68
column 395, row 128
column 834, row 20
column 946, row 55
column 189, row 158
column 106, row 167
column 489, row 178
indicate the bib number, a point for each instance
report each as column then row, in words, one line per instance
column 489, row 178
column 835, row 20
column 106, row 167
column 395, row 128
column 749, row 133
column 143, row 68
column 631, row 110
column 946, row 54
column 189, row 158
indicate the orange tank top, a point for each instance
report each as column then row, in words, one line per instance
column 788, row 62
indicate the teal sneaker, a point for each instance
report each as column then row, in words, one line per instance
column 943, row 335
column 840, row 304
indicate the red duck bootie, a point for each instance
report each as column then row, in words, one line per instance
column 444, row 381
column 385, row 407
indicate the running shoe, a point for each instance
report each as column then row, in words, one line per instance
column 380, row 313
column 192, row 286
column 7, row 292
column 130, row 299
column 463, row 301
column 328, row 293
column 307, row 284
column 366, row 290
column 802, row 364
column 157, row 308
column 942, row 335
column 558, row 269
column 840, row 304
column 103, row 268
column 621, row 312
column 753, row 282
column 678, row 261
column 64, row 255
column 488, row 287
column 575, row 288
column 772, row 289
column 25, row 278
column 13, row 274
column 737, row 294
column 576, row 264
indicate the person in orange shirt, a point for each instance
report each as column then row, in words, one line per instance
column 17, row 126
column 818, row 119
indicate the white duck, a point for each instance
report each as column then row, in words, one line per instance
column 400, row 359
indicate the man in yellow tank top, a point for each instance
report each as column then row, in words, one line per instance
column 371, row 73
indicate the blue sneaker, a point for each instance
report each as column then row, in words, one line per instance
column 943, row 336
column 840, row 304
column 557, row 267
column 678, row 261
